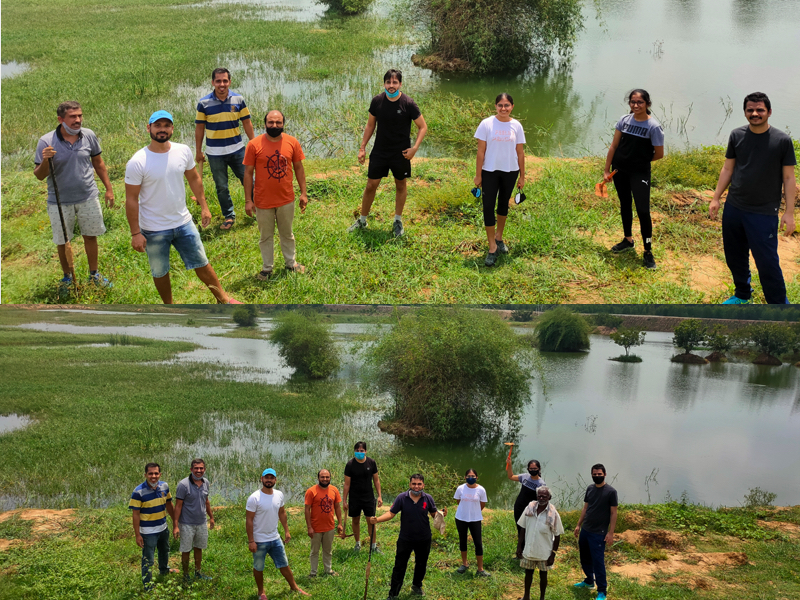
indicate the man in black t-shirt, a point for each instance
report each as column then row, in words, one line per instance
column 360, row 473
column 758, row 162
column 415, row 508
column 392, row 112
column 596, row 529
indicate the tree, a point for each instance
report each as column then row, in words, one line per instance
column 561, row 330
column 772, row 339
column 455, row 371
column 607, row 320
column 347, row 7
column 628, row 337
column 497, row 35
column 245, row 315
column 306, row 344
column 522, row 315
column 718, row 341
column 689, row 334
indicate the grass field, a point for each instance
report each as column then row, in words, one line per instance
column 124, row 65
column 100, row 413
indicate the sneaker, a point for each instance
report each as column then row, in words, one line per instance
column 583, row 584
column 312, row 574
column 198, row 575
column 482, row 573
column 97, row 279
column 357, row 547
column 264, row 275
column 622, row 246
column 601, row 596
column 648, row 261
column 501, row 247
column 417, row 591
column 356, row 226
column 461, row 570
column 65, row 284
column 731, row 300
column 376, row 550
column 297, row 268
column 491, row 258
column 397, row 228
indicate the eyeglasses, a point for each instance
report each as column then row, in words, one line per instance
column 636, row 102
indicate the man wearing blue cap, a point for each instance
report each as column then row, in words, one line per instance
column 265, row 508
column 155, row 204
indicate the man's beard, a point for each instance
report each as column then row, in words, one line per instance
column 160, row 133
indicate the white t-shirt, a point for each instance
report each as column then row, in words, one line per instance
column 501, row 144
column 469, row 509
column 266, row 507
column 162, row 199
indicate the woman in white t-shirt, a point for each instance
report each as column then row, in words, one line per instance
column 471, row 498
column 501, row 160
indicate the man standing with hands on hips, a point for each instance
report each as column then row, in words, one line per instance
column 596, row 529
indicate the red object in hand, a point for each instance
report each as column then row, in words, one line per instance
column 600, row 189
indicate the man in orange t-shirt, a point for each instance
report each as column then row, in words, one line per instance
column 322, row 500
column 271, row 157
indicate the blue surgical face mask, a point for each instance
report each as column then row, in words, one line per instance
column 471, row 480
column 360, row 455
column 395, row 95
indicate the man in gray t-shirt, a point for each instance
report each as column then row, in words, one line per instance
column 75, row 152
column 759, row 162
column 191, row 507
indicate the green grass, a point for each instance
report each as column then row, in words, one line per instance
column 130, row 66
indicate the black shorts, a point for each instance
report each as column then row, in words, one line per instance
column 379, row 166
column 359, row 505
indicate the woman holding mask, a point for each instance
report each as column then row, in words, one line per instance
column 529, row 482
column 501, row 159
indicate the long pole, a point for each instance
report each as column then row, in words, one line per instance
column 67, row 245
column 371, row 546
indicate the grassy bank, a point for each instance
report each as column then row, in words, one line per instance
column 668, row 551
column 322, row 74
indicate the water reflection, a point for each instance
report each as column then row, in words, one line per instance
column 12, row 422
column 12, row 68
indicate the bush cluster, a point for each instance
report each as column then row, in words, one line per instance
column 347, row 7
column 561, row 330
column 306, row 344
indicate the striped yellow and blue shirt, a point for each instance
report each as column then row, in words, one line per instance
column 151, row 504
column 221, row 118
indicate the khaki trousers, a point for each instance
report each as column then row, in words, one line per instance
column 326, row 540
column 267, row 218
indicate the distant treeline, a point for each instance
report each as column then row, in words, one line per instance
column 759, row 312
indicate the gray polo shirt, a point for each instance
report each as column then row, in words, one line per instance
column 194, row 499
column 72, row 165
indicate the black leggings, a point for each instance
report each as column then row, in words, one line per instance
column 637, row 184
column 498, row 186
column 474, row 528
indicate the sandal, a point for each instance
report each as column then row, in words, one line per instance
column 227, row 224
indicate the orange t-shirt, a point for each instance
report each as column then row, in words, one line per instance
column 321, row 501
column 273, row 169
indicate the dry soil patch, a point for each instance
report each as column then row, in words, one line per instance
column 6, row 544
column 789, row 529
column 654, row 539
column 696, row 564
column 45, row 521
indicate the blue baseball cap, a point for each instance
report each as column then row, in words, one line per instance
column 160, row 114
column 269, row 472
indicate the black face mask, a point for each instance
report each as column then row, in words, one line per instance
column 274, row 131
column 533, row 472
column 598, row 479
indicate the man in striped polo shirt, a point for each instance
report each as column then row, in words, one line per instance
column 150, row 503
column 218, row 116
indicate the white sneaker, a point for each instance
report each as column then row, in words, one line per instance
column 356, row 226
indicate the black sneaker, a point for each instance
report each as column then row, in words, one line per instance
column 491, row 258
column 417, row 591
column 501, row 247
column 648, row 261
column 622, row 246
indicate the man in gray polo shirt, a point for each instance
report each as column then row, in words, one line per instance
column 191, row 507
column 75, row 151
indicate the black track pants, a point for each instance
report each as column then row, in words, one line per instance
column 637, row 185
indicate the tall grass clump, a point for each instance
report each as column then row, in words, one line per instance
column 561, row 330
column 245, row 316
column 120, row 339
column 347, row 7
column 457, row 372
column 306, row 344
column 498, row 35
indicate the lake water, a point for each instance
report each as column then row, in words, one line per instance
column 712, row 431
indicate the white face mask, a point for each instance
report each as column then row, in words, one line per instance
column 71, row 131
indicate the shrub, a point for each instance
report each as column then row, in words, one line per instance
column 347, row 7
column 561, row 330
column 696, row 168
column 454, row 371
column 627, row 338
column 499, row 35
column 245, row 315
column 607, row 320
column 521, row 315
column 772, row 339
column 689, row 334
column 718, row 341
column 306, row 344
column 756, row 497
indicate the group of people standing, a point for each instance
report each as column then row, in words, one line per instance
column 539, row 526
column 759, row 166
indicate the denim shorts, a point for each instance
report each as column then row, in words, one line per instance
column 186, row 240
column 276, row 552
